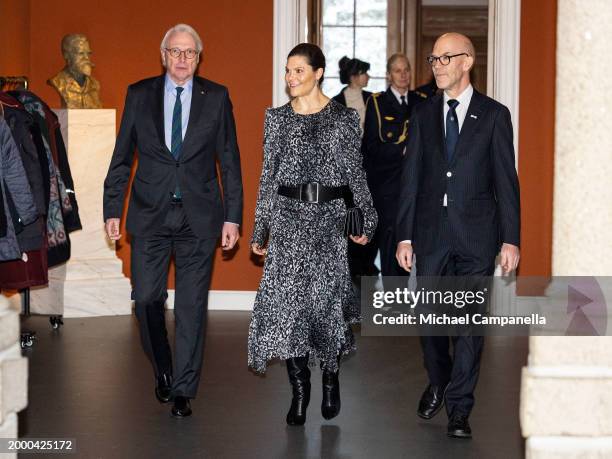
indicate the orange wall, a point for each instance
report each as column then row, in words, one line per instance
column 125, row 38
column 237, row 37
column 536, row 135
column 14, row 37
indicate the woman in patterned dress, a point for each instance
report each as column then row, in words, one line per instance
column 305, row 302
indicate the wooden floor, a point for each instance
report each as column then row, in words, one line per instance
column 91, row 381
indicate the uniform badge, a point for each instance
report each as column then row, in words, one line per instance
column 389, row 118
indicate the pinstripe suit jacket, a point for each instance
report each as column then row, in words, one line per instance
column 480, row 181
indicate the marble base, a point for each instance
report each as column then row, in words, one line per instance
column 91, row 283
column 84, row 288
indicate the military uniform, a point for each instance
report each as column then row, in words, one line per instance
column 384, row 143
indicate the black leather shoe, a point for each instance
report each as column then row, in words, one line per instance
column 459, row 427
column 181, row 407
column 431, row 401
column 330, row 405
column 299, row 377
column 163, row 387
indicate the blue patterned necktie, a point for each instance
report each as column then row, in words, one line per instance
column 177, row 125
column 177, row 133
column 452, row 129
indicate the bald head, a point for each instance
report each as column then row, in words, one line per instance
column 453, row 77
column 457, row 41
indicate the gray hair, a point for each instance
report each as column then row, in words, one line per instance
column 182, row 28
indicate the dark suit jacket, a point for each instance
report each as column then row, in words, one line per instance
column 211, row 135
column 384, row 139
column 480, row 182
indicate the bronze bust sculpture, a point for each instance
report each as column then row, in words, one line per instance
column 76, row 86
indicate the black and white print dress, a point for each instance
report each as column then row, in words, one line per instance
column 305, row 302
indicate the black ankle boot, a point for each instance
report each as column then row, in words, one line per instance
column 299, row 377
column 330, row 405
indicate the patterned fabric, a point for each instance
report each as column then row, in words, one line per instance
column 177, row 129
column 58, row 198
column 177, row 133
column 305, row 302
column 452, row 129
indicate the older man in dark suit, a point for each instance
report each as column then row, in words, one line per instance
column 459, row 206
column 181, row 126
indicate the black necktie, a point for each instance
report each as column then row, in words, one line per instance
column 452, row 129
column 403, row 103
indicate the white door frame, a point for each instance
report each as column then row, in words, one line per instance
column 503, row 67
column 290, row 28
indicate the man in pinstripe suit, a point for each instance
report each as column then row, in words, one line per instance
column 459, row 208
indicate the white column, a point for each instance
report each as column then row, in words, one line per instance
column 503, row 75
column 566, row 393
column 91, row 283
column 503, row 67
column 13, row 373
column 290, row 28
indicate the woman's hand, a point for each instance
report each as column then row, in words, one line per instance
column 361, row 240
column 257, row 250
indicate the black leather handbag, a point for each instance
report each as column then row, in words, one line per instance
column 353, row 222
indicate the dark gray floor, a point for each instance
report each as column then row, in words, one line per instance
column 92, row 382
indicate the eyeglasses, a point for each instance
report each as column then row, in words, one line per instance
column 444, row 60
column 176, row 53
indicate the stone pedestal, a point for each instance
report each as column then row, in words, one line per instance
column 13, row 373
column 91, row 283
column 566, row 391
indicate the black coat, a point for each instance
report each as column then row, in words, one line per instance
column 384, row 138
column 341, row 99
column 30, row 237
column 211, row 135
column 480, row 181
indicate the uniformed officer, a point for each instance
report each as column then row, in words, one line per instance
column 384, row 143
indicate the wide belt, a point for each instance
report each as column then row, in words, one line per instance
column 315, row 192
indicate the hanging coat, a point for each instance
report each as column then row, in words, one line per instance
column 13, row 182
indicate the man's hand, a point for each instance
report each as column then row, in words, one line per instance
column 112, row 228
column 229, row 236
column 403, row 254
column 361, row 240
column 509, row 258
column 257, row 250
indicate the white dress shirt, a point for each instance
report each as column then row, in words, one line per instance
column 398, row 95
column 464, row 102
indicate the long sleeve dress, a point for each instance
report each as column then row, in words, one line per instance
column 305, row 302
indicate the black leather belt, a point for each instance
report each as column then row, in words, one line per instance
column 314, row 192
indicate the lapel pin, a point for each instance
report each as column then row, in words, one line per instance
column 474, row 116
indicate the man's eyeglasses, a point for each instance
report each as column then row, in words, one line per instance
column 444, row 60
column 176, row 53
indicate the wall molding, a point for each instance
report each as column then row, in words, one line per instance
column 224, row 300
column 505, row 58
column 290, row 28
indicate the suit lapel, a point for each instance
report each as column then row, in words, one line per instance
column 158, row 109
column 198, row 100
column 472, row 118
column 437, row 124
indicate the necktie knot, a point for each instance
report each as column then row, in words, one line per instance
column 179, row 90
column 452, row 103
